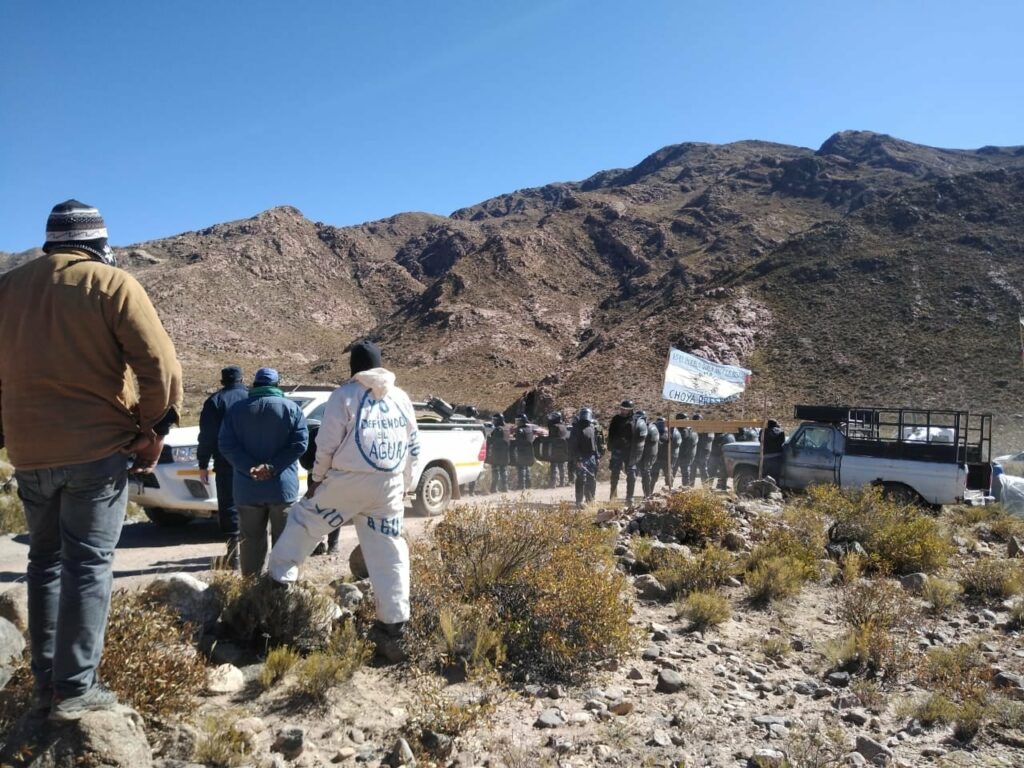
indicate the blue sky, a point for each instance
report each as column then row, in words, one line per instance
column 174, row 116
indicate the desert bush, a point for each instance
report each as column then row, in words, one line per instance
column 704, row 609
column 12, row 514
column 277, row 664
column 970, row 515
column 775, row 578
column 262, row 615
column 941, row 595
column 959, row 681
column 438, row 711
column 851, row 568
column 16, row 694
column 898, row 538
column 877, row 615
column 148, row 660
column 1015, row 621
column 219, row 744
column 818, row 746
column 468, row 637
column 321, row 671
column 775, row 646
column 547, row 579
column 711, row 568
column 993, row 579
column 697, row 516
column 1007, row 527
column 798, row 533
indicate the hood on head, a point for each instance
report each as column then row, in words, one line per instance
column 377, row 380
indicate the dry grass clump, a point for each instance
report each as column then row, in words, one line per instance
column 775, row 578
column 321, row 671
column 439, row 712
column 468, row 638
column 993, row 579
column 898, row 538
column 277, row 664
column 697, row 516
column 262, row 615
column 12, row 514
column 959, row 679
column 1015, row 621
column 775, row 647
column 878, row 615
column 545, row 583
column 711, row 568
column 787, row 555
column 704, row 609
column 941, row 595
column 148, row 659
column 219, row 744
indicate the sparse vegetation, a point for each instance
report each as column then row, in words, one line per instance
column 697, row 516
column 277, row 664
column 711, row 568
column 959, row 679
column 704, row 609
column 775, row 578
column 898, row 538
column 877, row 614
column 321, row 671
column 148, row 659
column 941, row 595
column 469, row 639
column 993, row 579
column 219, row 744
column 546, row 581
column 775, row 646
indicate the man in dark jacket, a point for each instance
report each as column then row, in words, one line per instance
column 586, row 450
column 648, row 458
column 557, row 449
column 634, row 458
column 523, row 441
column 619, row 440
column 232, row 391
column 716, row 463
column 687, row 451
column 669, row 440
column 773, row 438
column 263, row 437
column 498, row 451
column 700, row 460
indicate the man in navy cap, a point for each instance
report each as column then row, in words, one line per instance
column 262, row 437
column 232, row 390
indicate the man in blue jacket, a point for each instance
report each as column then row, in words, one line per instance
column 232, row 391
column 263, row 437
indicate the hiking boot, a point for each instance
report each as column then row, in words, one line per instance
column 333, row 548
column 390, row 641
column 320, row 548
column 73, row 707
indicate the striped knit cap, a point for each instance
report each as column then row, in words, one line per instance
column 76, row 225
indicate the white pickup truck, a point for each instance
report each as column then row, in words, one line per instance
column 452, row 450
column 928, row 456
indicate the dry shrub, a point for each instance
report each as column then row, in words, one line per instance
column 1007, row 527
column 219, row 744
column 898, row 538
column 775, row 578
column 878, row 615
column 818, row 746
column 546, row 579
column 1015, row 621
column 440, row 711
column 775, row 646
column 468, row 638
column 993, row 579
column 16, row 695
column 321, row 671
column 941, row 595
column 959, row 679
column 148, row 660
column 277, row 664
column 704, row 609
column 711, row 568
column 12, row 514
column 261, row 614
column 851, row 568
column 697, row 516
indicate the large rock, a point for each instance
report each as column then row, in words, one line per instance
column 110, row 738
column 14, row 606
column 12, row 644
column 348, row 595
column 650, row 588
column 226, row 678
column 190, row 598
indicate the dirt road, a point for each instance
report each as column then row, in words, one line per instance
column 146, row 550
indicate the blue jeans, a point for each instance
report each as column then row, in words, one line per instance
column 74, row 516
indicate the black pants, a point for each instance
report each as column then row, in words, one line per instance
column 586, row 480
column 556, row 473
column 522, row 478
column 227, row 512
column 615, row 466
column 632, row 472
column 700, row 468
column 499, row 478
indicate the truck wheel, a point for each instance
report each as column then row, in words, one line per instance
column 742, row 479
column 434, row 491
column 167, row 518
column 901, row 494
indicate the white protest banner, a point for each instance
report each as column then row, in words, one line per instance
column 690, row 379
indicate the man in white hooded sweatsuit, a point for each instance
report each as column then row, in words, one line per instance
column 366, row 454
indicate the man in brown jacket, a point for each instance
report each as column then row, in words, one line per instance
column 73, row 330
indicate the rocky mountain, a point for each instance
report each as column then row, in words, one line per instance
column 871, row 270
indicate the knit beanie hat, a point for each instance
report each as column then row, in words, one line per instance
column 232, row 374
column 266, row 377
column 73, row 224
column 365, row 355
